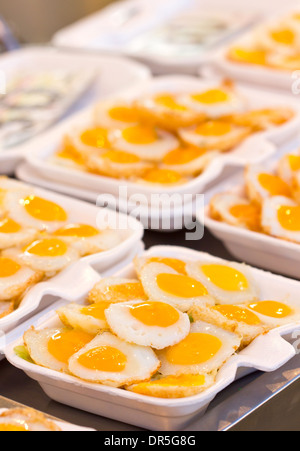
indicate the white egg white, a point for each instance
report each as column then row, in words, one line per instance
column 12, row 287
column 20, row 238
column 270, row 221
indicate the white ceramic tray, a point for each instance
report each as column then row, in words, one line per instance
column 266, row 353
column 77, row 276
column 254, row 150
column 110, row 74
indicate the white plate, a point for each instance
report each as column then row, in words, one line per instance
column 64, row 426
column 76, row 277
column 266, row 353
column 254, row 149
column 110, row 74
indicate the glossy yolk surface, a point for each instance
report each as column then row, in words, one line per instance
column 163, row 176
column 6, row 427
column 180, row 286
column 239, row 314
column 182, row 156
column 78, row 231
column 248, row 214
column 170, row 102
column 96, row 310
column 95, row 137
column 274, row 185
column 272, row 309
column 155, row 314
column 8, row 267
column 283, row 36
column 140, row 135
column 289, row 218
column 43, row 209
column 196, row 348
column 249, row 56
column 117, row 156
column 62, row 345
column 51, row 247
column 124, row 114
column 129, row 291
column 104, row 358
column 214, row 128
column 174, row 263
column 225, row 277
column 212, row 96
column 8, row 225
column 294, row 162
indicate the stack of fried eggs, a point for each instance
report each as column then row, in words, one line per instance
column 165, row 139
column 23, row 419
column 275, row 44
column 269, row 203
column 165, row 333
column 37, row 240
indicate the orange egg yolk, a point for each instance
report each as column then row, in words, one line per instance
column 272, row 309
column 169, row 101
column 77, row 231
column 249, row 56
column 289, row 218
column 249, row 214
column 283, row 36
column 117, row 156
column 239, row 314
column 155, row 314
column 162, row 176
column 211, row 96
column 6, row 427
column 140, row 135
column 7, row 225
column 96, row 310
column 43, row 209
column 8, row 267
column 62, row 345
column 214, row 128
column 225, row 277
column 174, row 263
column 183, row 156
column 124, row 114
column 274, row 185
column 104, row 358
column 51, row 247
column 195, row 349
column 180, row 286
column 127, row 291
column 294, row 162
column 96, row 137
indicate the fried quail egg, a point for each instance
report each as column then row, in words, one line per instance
column 162, row 177
column 235, row 210
column 228, row 283
column 162, row 283
column 49, row 255
column 25, row 420
column 6, row 307
column 68, row 156
column 116, row 163
column 52, row 348
column 263, row 119
column 214, row 101
column 281, row 218
column 111, row 361
column 172, row 387
column 246, row 54
column 279, row 38
column 296, row 186
column 116, row 115
column 88, row 318
column 114, row 289
column 14, row 234
column 188, row 161
column 276, row 313
column 36, row 212
column 164, row 110
column 151, row 323
column 87, row 239
column 261, row 184
column 90, row 141
column 175, row 263
column 218, row 135
column 15, row 278
column 147, row 142
column 288, row 166
column 204, row 350
column 285, row 62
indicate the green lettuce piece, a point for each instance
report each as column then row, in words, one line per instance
column 21, row 351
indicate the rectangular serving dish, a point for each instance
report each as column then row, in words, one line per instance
column 108, row 74
column 80, row 275
column 266, row 353
column 253, row 150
